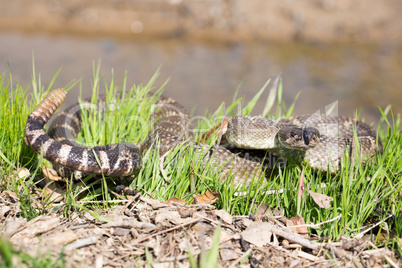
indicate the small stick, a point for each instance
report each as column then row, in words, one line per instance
column 294, row 237
column 278, row 191
column 307, row 256
column 166, row 231
column 84, row 242
column 148, row 193
column 317, row 224
column 104, row 201
column 207, row 206
column 115, row 194
column 358, row 236
column 247, row 253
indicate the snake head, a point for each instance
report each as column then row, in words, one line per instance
column 294, row 137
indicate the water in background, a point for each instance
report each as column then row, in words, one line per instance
column 202, row 75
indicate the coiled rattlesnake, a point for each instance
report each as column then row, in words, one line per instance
column 319, row 141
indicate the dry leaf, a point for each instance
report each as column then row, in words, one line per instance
column 262, row 210
column 258, row 233
column 228, row 254
column 207, row 198
column 51, row 174
column 12, row 226
column 62, row 238
column 23, row 173
column 12, row 195
column 399, row 242
column 224, row 215
column 55, row 194
column 176, row 200
column 294, row 225
column 39, row 225
column 168, row 218
column 155, row 204
column 321, row 200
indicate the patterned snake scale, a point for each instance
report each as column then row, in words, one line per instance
column 319, row 141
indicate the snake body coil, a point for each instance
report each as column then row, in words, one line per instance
column 114, row 160
column 319, row 141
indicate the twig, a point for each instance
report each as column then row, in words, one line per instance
column 216, row 223
column 165, row 231
column 114, row 261
column 207, row 206
column 103, row 201
column 81, row 226
column 358, row 236
column 317, row 224
column 277, row 191
column 130, row 224
column 246, row 254
column 116, row 194
column 148, row 193
column 390, row 261
column 82, row 243
column 181, row 257
column 132, row 200
column 307, row 256
column 294, row 237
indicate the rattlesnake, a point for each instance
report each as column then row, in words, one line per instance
column 298, row 137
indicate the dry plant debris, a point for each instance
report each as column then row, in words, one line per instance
column 168, row 234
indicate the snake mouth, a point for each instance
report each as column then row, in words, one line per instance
column 299, row 138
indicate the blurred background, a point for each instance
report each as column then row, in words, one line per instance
column 349, row 51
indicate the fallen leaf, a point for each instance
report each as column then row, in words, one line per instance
column 23, row 173
column 176, row 200
column 12, row 195
column 12, row 226
column 51, row 174
column 321, row 200
column 228, row 254
column 62, row 238
column 207, row 198
column 39, row 225
column 118, row 231
column 168, row 218
column 53, row 193
column 3, row 211
column 294, row 225
column 224, row 215
column 258, row 233
column 155, row 204
column 262, row 210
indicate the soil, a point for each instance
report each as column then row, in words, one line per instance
column 230, row 20
column 140, row 231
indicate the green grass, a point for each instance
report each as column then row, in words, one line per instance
column 358, row 191
column 11, row 257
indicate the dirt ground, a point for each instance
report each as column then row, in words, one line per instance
column 233, row 20
column 140, row 232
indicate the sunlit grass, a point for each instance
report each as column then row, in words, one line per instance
column 363, row 194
